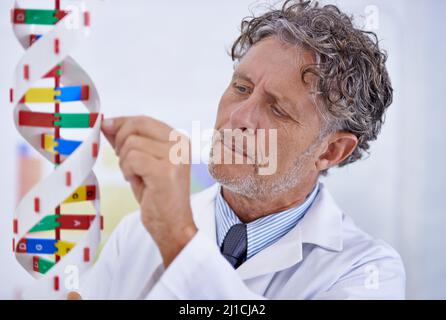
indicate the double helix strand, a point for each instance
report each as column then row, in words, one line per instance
column 48, row 36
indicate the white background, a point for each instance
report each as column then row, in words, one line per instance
column 168, row 59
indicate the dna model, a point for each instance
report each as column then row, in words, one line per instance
column 48, row 79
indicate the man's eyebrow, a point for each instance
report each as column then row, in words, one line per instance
column 239, row 75
column 276, row 97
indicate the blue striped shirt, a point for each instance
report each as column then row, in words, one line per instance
column 264, row 231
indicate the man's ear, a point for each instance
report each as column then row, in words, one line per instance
column 340, row 146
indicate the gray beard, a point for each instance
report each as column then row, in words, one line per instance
column 254, row 186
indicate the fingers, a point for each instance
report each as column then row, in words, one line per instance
column 74, row 296
column 143, row 146
column 155, row 148
column 137, row 164
column 109, row 127
column 117, row 130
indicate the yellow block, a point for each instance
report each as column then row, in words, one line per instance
column 41, row 95
column 49, row 144
column 64, row 247
column 79, row 195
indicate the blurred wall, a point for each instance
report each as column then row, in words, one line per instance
column 168, row 60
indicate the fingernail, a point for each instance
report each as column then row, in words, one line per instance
column 107, row 124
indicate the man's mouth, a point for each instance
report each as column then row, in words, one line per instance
column 235, row 148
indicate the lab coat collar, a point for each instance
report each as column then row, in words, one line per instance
column 321, row 226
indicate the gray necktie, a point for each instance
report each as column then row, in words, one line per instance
column 235, row 245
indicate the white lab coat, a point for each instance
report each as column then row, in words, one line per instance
column 324, row 257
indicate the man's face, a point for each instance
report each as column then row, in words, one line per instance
column 266, row 92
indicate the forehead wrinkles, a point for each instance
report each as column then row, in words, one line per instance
column 291, row 63
column 290, row 79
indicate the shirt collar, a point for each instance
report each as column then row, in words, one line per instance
column 264, row 231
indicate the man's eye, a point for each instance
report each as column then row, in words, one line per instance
column 241, row 89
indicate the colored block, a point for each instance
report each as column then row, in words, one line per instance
column 39, row 95
column 48, row 143
column 48, row 120
column 26, row 72
column 59, row 146
column 41, row 246
column 37, row 16
column 74, row 93
column 22, row 246
column 64, row 247
column 56, row 283
column 86, row 254
column 18, row 16
column 75, row 120
column 83, row 193
column 36, row 119
column 45, row 17
column 33, row 38
column 42, row 265
column 76, row 222
column 56, row 71
column 47, row 223
column 90, row 192
column 66, row 147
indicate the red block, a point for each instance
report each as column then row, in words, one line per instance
column 36, row 264
column 85, row 93
column 60, row 14
column 93, row 118
column 56, row 46
column 56, row 283
column 68, row 178
column 16, row 226
column 36, row 119
column 13, row 245
column 18, row 16
column 86, row 254
column 91, row 192
column 52, row 73
column 11, row 95
column 26, row 72
column 75, row 221
column 32, row 38
column 95, row 150
column 87, row 18
column 37, row 205
column 21, row 246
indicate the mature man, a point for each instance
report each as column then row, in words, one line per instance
column 307, row 73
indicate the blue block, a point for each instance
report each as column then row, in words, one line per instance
column 66, row 147
column 41, row 246
column 68, row 94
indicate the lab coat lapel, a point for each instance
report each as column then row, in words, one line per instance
column 283, row 254
column 321, row 225
column 203, row 208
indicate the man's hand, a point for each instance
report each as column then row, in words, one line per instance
column 161, row 187
column 74, row 296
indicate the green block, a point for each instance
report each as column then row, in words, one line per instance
column 46, row 224
column 45, row 265
column 45, row 17
column 73, row 120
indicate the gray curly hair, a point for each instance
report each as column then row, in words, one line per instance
column 352, row 82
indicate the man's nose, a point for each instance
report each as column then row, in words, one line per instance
column 246, row 115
